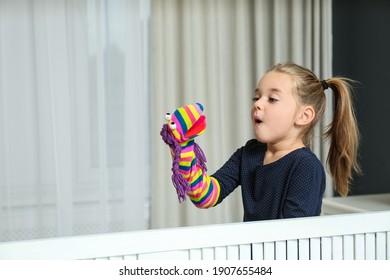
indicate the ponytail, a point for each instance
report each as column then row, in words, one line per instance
column 344, row 136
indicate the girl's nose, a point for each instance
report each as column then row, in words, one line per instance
column 258, row 104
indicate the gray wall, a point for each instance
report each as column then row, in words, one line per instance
column 361, row 51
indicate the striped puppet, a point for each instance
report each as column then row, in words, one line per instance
column 189, row 163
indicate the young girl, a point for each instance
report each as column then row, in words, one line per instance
column 279, row 175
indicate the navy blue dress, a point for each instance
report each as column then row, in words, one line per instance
column 290, row 187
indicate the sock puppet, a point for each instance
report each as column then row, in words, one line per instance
column 189, row 163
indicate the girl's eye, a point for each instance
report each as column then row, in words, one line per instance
column 272, row 100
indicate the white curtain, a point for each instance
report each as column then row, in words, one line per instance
column 74, row 93
column 214, row 52
column 80, row 116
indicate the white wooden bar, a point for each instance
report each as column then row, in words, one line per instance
column 348, row 247
column 380, row 246
column 346, row 236
column 292, row 249
column 360, row 247
column 326, row 248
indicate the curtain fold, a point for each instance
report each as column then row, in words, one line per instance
column 214, row 52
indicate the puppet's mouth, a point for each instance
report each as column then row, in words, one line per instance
column 198, row 127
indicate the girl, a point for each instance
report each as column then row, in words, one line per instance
column 279, row 175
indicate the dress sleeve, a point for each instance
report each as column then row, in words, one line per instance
column 229, row 175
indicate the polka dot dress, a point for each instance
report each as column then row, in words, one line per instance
column 292, row 186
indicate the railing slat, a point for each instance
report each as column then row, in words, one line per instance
column 129, row 257
column 337, row 248
column 233, row 252
column 348, row 247
column 220, row 253
column 258, row 251
column 381, row 246
column 269, row 251
column 280, row 250
column 195, row 254
column 370, row 246
column 315, row 248
column 208, row 254
column 292, row 249
column 304, row 249
column 245, row 252
column 360, row 246
column 326, row 248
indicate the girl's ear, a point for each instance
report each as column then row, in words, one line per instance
column 306, row 116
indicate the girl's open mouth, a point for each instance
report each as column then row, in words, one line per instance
column 257, row 120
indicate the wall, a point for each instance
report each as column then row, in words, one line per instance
column 361, row 51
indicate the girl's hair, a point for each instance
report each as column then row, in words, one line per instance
column 343, row 132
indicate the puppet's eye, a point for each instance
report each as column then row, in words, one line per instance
column 172, row 125
column 168, row 116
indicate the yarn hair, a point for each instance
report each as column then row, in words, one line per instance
column 181, row 185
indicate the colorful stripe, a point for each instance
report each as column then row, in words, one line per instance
column 185, row 118
column 204, row 189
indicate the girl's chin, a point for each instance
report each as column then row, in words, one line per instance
column 259, row 138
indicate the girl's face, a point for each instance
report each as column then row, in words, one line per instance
column 275, row 109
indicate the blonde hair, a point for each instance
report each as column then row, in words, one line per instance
column 343, row 132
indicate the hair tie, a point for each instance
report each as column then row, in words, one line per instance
column 325, row 85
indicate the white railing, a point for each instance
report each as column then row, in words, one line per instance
column 349, row 236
